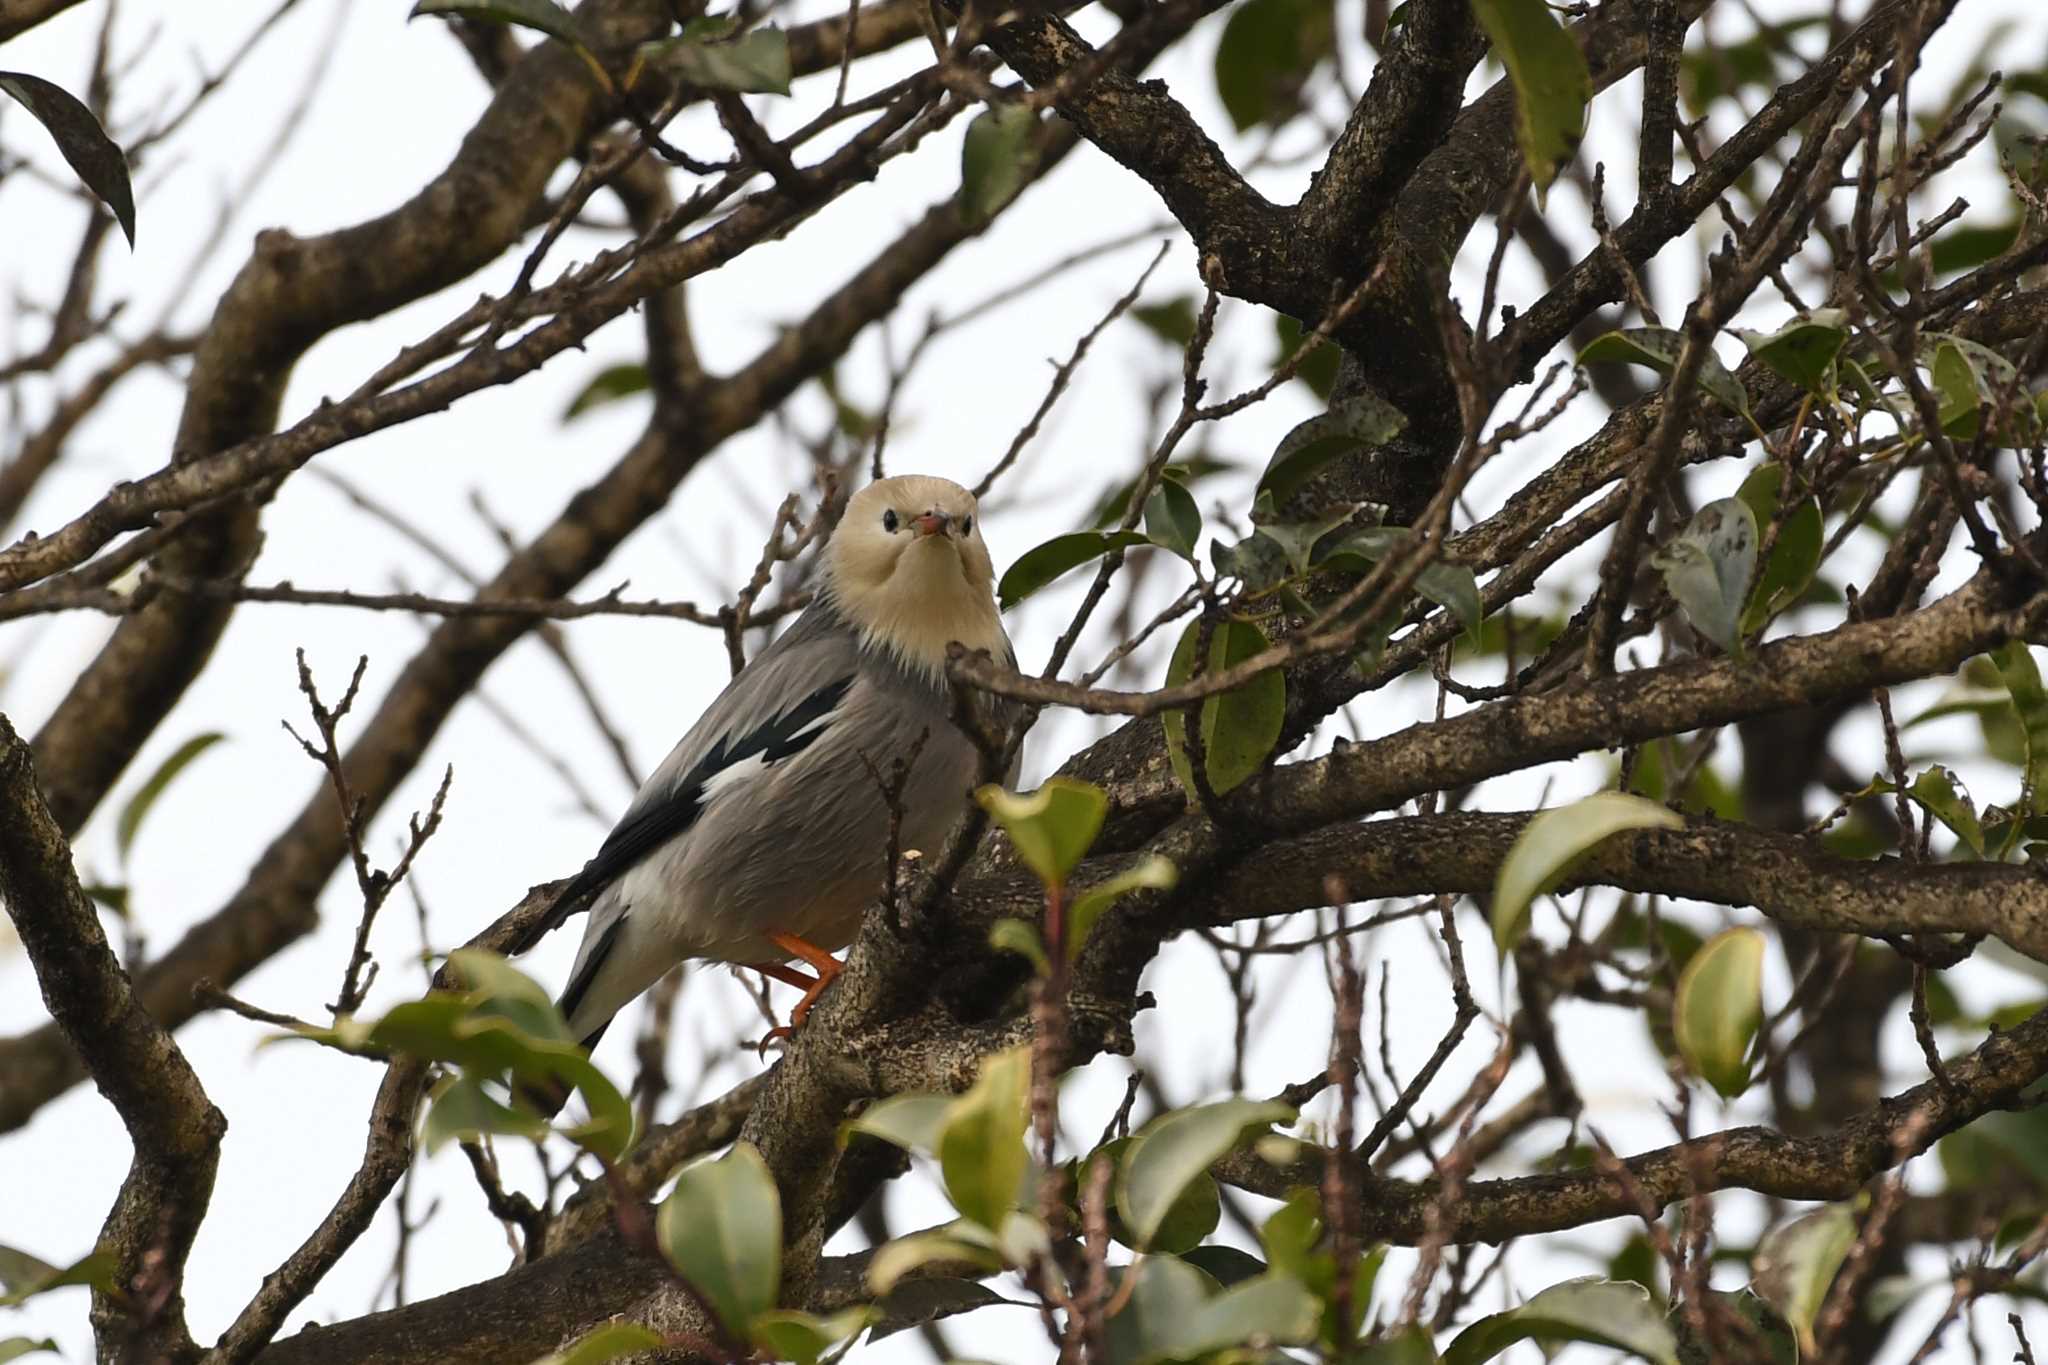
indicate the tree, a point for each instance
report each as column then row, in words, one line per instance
column 1775, row 615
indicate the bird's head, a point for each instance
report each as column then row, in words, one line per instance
column 908, row 567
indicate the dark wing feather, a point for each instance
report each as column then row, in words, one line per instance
column 653, row 823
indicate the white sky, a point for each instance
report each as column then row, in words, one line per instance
column 396, row 100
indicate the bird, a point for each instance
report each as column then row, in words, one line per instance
column 764, row 834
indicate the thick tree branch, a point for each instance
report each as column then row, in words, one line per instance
column 175, row 1129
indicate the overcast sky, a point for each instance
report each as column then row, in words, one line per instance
column 394, row 100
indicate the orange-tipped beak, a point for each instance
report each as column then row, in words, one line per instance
column 931, row 523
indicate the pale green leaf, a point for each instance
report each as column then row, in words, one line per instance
column 721, row 1227
column 1714, row 1016
column 981, row 1148
column 1709, row 565
column 1603, row 1312
column 1551, row 83
column 1546, row 850
column 1795, row 1265
column 1050, row 828
column 1173, row 1151
column 145, row 797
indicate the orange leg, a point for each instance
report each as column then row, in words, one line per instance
column 822, row 962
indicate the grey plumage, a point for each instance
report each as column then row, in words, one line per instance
column 767, row 815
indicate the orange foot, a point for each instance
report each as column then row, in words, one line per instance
column 824, row 963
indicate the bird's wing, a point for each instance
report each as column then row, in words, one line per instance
column 777, row 707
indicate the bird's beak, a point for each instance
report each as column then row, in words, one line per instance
column 931, row 523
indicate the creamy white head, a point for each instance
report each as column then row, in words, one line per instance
column 908, row 568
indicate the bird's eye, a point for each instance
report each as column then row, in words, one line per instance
column 967, row 526
column 889, row 520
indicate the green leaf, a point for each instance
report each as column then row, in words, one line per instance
column 24, row 1276
column 756, row 62
column 1551, row 84
column 1796, row 1263
column 1961, row 390
column 609, row 385
column 14, row 1348
column 92, row 155
column 1942, row 795
column 1172, row 1316
column 1173, row 1151
column 996, row 159
column 721, row 1227
column 1804, row 349
column 1544, row 853
column 802, row 1338
column 613, row 1341
column 1351, row 424
column 1009, row 935
column 462, row 1109
column 1290, row 1233
column 1191, row 1217
column 1708, row 567
column 1449, row 585
column 1719, row 1004
column 893, row 1260
column 1298, row 539
column 1267, row 52
column 1795, row 555
column 1239, row 727
column 1173, row 321
column 1153, row 873
column 912, row 1122
column 543, row 16
column 1318, row 369
column 1052, row 827
column 1042, row 564
column 1172, row 519
column 981, row 1149
column 2022, row 679
column 138, row 807
column 1224, row 1264
column 1658, row 348
column 1602, row 1312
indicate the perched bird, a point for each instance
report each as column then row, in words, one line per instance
column 765, row 832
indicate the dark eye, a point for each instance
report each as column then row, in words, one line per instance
column 889, row 521
column 967, row 526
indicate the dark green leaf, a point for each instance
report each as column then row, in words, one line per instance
column 1717, row 1009
column 1171, row 1152
column 138, row 807
column 721, row 1227
column 1052, row 827
column 981, row 1150
column 610, row 385
column 756, row 62
column 1967, row 246
column 1359, row 422
column 92, row 155
column 1551, row 84
column 1795, row 554
column 1804, row 349
column 1042, row 564
column 1796, row 1263
column 1172, row 1315
column 1446, row 584
column 2016, row 668
column 543, row 16
column 1109, row 508
column 1318, row 369
column 1547, row 848
column 1173, row 321
column 1172, row 519
column 1602, row 1312
column 1268, row 50
column 1708, row 567
column 1224, row 1264
column 995, row 160
column 1658, row 348
column 613, row 1341
column 1239, row 727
